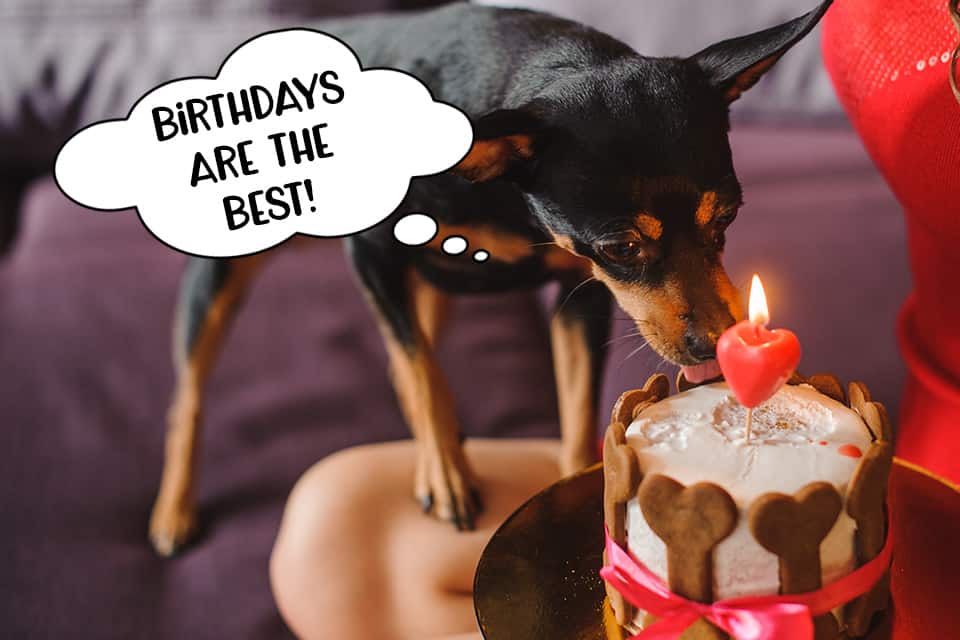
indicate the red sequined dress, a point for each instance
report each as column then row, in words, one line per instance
column 890, row 64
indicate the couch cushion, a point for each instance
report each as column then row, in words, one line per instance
column 85, row 303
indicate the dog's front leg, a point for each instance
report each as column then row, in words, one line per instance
column 579, row 332
column 408, row 315
column 211, row 292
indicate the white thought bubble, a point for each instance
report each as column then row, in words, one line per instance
column 415, row 229
column 291, row 136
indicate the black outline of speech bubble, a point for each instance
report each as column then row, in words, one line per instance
column 214, row 77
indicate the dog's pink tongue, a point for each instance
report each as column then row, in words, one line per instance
column 702, row 372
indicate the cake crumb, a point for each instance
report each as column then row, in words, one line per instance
column 784, row 418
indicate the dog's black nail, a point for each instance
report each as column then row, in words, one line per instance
column 461, row 517
column 426, row 502
column 477, row 500
column 467, row 521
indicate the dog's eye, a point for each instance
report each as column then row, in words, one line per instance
column 623, row 251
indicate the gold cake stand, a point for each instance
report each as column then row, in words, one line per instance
column 538, row 576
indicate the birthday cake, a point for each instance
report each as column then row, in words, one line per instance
column 797, row 509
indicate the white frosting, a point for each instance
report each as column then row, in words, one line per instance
column 699, row 436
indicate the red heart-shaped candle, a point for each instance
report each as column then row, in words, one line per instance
column 757, row 361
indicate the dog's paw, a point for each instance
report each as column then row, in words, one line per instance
column 445, row 487
column 172, row 524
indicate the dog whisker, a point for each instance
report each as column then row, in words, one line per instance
column 631, row 354
column 623, row 337
column 570, row 295
column 544, row 244
column 663, row 361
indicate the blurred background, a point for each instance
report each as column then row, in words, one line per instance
column 86, row 302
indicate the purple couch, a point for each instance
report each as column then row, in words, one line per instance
column 85, row 375
column 85, row 305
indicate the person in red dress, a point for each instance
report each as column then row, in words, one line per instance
column 890, row 61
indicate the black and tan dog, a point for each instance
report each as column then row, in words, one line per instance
column 594, row 166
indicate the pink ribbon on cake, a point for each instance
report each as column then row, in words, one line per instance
column 779, row 617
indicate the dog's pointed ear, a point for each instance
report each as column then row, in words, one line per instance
column 735, row 65
column 504, row 141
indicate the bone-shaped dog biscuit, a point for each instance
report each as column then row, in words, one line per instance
column 829, row 385
column 867, row 496
column 632, row 402
column 859, row 394
column 792, row 528
column 691, row 521
column 621, row 472
column 886, row 427
column 826, row 383
column 865, row 504
column 873, row 413
column 621, row 477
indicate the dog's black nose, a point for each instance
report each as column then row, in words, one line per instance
column 702, row 346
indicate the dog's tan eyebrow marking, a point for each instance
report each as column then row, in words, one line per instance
column 564, row 257
column 649, row 226
column 707, row 208
column 563, row 241
column 489, row 158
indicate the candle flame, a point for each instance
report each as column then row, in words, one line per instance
column 759, row 314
